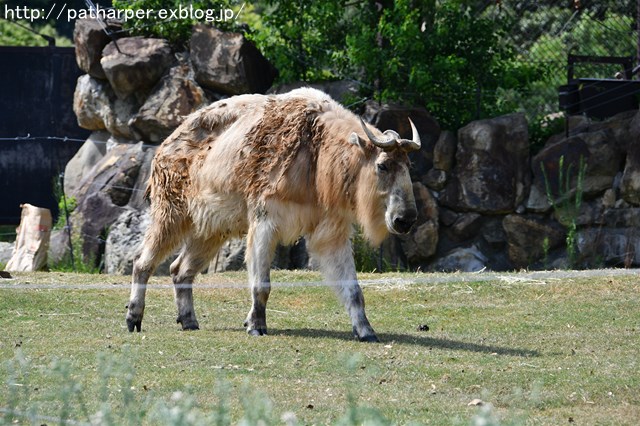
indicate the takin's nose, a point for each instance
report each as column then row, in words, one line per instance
column 402, row 223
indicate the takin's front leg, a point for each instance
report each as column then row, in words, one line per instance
column 161, row 239
column 261, row 246
column 339, row 269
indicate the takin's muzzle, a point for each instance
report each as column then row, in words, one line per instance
column 402, row 222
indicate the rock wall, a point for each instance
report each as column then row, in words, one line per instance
column 482, row 197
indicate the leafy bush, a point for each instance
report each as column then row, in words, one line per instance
column 175, row 29
column 437, row 54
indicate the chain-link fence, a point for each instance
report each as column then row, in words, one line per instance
column 545, row 33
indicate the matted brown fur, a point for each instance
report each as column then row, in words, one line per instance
column 297, row 150
column 179, row 156
column 286, row 133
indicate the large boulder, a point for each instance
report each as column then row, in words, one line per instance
column 229, row 63
column 89, row 154
column 492, row 172
column 461, row 259
column 444, row 151
column 630, row 184
column 124, row 242
column 176, row 96
column 103, row 195
column 133, row 65
column 601, row 154
column 6, row 250
column 609, row 246
column 98, row 108
column 90, row 38
column 91, row 103
column 422, row 241
column 529, row 236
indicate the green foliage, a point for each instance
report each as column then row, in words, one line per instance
column 303, row 39
column 567, row 202
column 177, row 29
column 75, row 262
column 439, row 54
column 16, row 35
column 541, row 130
column 127, row 406
column 65, row 205
column 364, row 255
column 7, row 233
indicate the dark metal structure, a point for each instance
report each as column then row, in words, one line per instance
column 599, row 97
column 36, row 123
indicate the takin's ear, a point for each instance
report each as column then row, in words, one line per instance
column 354, row 139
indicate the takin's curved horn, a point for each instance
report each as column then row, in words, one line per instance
column 411, row 145
column 388, row 142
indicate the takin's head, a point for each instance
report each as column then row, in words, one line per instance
column 385, row 192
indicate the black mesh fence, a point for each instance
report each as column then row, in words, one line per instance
column 545, row 33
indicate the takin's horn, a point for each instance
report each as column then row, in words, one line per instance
column 386, row 143
column 391, row 138
column 411, row 145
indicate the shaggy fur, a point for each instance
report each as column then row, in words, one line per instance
column 274, row 167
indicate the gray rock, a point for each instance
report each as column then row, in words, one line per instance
column 176, row 96
column 91, row 103
column 97, row 108
column 230, row 257
column 630, row 183
column 609, row 247
column 58, row 247
column 103, row 194
column 444, row 152
column 462, row 259
column 89, row 39
column 124, row 241
column 622, row 218
column 466, row 226
column 135, row 64
column 526, row 235
column 421, row 242
column 435, row 179
column 228, row 63
column 492, row 172
column 599, row 152
column 89, row 154
column 6, row 250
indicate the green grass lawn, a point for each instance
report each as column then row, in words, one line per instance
column 545, row 351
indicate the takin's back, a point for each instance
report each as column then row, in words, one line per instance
column 253, row 145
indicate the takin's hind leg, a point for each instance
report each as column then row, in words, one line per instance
column 161, row 239
column 195, row 256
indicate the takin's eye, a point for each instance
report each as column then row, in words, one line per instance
column 382, row 168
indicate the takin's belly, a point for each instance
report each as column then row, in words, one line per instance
column 216, row 213
column 227, row 215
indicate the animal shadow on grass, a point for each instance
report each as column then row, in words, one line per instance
column 408, row 339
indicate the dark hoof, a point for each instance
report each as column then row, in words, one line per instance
column 134, row 324
column 188, row 324
column 257, row 332
column 370, row 338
